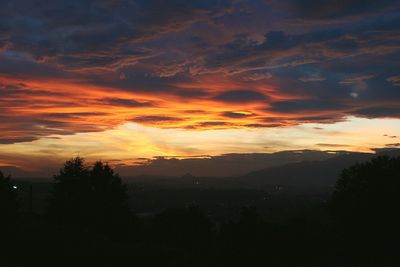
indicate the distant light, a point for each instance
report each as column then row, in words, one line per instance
column 15, row 187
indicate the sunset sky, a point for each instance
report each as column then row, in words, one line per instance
column 123, row 80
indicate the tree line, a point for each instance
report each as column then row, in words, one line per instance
column 88, row 222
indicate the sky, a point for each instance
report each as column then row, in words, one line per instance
column 124, row 81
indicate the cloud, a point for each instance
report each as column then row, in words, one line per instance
column 258, row 76
column 394, row 80
column 125, row 102
column 212, row 124
column 28, row 128
column 241, row 96
column 332, row 9
column 304, row 106
column 394, row 145
column 332, row 145
column 92, row 34
column 312, row 79
column 236, row 114
column 357, row 79
column 154, row 119
column 379, row 112
column 74, row 66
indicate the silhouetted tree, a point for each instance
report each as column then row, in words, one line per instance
column 245, row 242
column 366, row 205
column 8, row 201
column 89, row 198
column 182, row 237
column 8, row 221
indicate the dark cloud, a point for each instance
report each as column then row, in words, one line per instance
column 154, row 119
column 379, row 112
column 200, row 42
column 280, row 49
column 339, row 59
column 330, row 9
column 191, row 93
column 12, row 140
column 394, row 145
column 125, row 102
column 139, row 79
column 73, row 115
column 312, row 79
column 207, row 124
column 265, row 125
column 29, row 128
column 235, row 115
column 92, row 33
column 331, row 145
column 23, row 65
column 319, row 119
column 11, row 88
column 304, row 106
column 394, row 80
column 241, row 96
column 195, row 111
